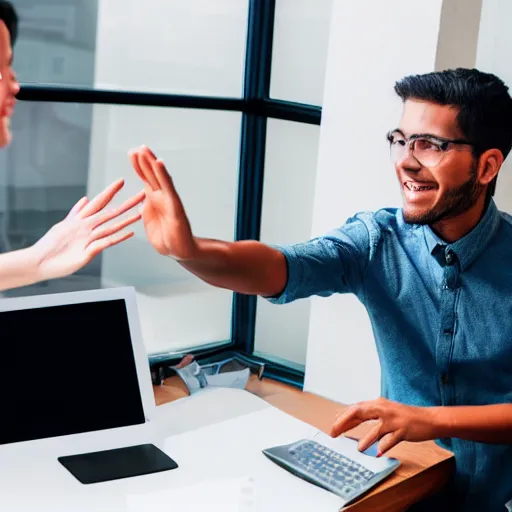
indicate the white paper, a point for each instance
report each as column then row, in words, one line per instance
column 236, row 379
column 233, row 448
column 226, row 495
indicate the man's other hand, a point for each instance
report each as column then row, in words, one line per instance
column 393, row 422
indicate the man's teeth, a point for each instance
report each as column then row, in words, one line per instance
column 417, row 188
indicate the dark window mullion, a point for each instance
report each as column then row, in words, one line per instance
column 60, row 94
column 264, row 106
column 290, row 111
column 258, row 64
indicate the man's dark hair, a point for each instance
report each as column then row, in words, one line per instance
column 482, row 99
column 10, row 18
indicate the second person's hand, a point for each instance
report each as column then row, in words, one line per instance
column 83, row 234
column 165, row 220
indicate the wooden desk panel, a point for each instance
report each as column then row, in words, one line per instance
column 424, row 469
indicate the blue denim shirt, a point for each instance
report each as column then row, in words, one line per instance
column 441, row 317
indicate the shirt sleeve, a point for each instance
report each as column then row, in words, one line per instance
column 333, row 263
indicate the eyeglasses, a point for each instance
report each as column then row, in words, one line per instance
column 428, row 150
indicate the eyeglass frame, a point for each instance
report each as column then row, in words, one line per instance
column 439, row 141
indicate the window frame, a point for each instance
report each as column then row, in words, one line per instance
column 256, row 107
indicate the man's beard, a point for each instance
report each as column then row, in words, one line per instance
column 453, row 203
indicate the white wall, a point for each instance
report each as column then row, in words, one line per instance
column 372, row 44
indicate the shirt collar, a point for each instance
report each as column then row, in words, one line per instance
column 470, row 246
column 432, row 239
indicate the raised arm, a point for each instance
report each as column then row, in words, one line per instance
column 248, row 267
column 334, row 263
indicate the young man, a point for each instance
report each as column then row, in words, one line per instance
column 435, row 277
column 75, row 241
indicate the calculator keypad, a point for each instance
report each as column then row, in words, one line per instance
column 330, row 467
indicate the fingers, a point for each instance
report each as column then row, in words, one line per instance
column 158, row 170
column 150, row 182
column 97, row 234
column 154, row 167
column 102, row 199
column 149, row 152
column 104, row 243
column 151, row 169
column 352, row 417
column 145, row 163
column 372, row 437
column 341, row 422
column 144, row 168
column 134, row 159
column 79, row 205
column 168, row 187
column 102, row 217
column 389, row 441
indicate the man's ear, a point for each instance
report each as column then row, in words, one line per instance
column 489, row 165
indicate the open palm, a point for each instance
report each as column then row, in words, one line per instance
column 76, row 240
column 166, row 223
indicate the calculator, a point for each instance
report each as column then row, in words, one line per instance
column 344, row 474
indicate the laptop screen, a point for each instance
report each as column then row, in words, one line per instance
column 67, row 369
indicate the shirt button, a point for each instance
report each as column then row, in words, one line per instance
column 449, row 258
column 444, row 378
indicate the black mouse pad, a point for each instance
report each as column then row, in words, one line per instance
column 90, row 468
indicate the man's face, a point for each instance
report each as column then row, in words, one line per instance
column 9, row 86
column 446, row 188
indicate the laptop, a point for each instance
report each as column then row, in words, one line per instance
column 75, row 381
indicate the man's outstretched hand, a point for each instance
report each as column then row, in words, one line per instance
column 83, row 234
column 165, row 220
column 249, row 267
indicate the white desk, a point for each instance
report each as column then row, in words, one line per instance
column 216, row 434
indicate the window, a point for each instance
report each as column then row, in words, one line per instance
column 61, row 151
column 199, row 83
column 57, row 43
column 191, row 47
column 181, row 47
column 301, row 37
